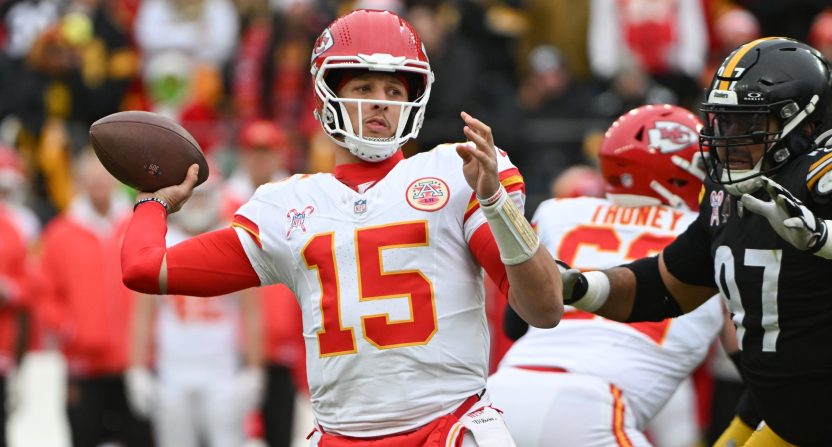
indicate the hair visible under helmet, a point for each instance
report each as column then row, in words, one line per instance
column 376, row 41
column 769, row 79
column 650, row 156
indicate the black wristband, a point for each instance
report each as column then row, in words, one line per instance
column 152, row 199
column 578, row 292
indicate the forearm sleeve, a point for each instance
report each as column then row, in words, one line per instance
column 688, row 257
column 143, row 248
column 206, row 265
column 653, row 302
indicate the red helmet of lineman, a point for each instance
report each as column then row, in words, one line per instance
column 376, row 41
column 651, row 155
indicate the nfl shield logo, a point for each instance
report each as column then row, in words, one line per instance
column 360, row 206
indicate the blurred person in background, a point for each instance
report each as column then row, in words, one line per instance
column 562, row 24
column 207, row 372
column 553, row 108
column 474, row 69
column 595, row 382
column 202, row 35
column 205, row 30
column 787, row 19
column 14, row 191
column 578, row 181
column 820, row 35
column 88, row 308
column 733, row 26
column 667, row 39
column 263, row 152
column 14, row 290
column 73, row 70
column 269, row 76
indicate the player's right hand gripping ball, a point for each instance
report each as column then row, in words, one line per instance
column 789, row 217
column 145, row 150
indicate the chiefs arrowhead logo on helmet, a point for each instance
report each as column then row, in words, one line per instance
column 671, row 136
column 323, row 43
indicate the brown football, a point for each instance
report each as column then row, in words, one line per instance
column 145, row 150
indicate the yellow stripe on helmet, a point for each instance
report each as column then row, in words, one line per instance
column 728, row 71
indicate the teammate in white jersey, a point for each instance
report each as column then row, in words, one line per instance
column 385, row 256
column 208, row 373
column 596, row 382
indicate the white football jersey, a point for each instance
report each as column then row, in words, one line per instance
column 196, row 338
column 647, row 361
column 391, row 296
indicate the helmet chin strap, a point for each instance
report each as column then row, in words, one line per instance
column 672, row 199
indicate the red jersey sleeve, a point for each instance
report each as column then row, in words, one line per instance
column 206, row 265
column 485, row 251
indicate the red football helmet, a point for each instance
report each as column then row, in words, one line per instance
column 652, row 152
column 376, row 41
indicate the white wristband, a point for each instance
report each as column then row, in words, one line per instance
column 597, row 292
column 515, row 238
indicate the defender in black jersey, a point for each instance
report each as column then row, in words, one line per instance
column 761, row 238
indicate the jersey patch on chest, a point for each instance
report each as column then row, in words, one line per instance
column 428, row 194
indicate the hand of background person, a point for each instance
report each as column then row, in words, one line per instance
column 141, row 390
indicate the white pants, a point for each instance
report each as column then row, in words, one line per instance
column 676, row 425
column 491, row 430
column 551, row 409
column 207, row 410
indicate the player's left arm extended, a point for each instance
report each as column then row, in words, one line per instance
column 792, row 220
column 675, row 282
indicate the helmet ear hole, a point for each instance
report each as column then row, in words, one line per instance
column 640, row 134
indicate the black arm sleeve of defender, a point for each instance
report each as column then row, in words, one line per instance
column 653, row 301
column 514, row 326
column 689, row 259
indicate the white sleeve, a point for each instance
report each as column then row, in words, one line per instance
column 511, row 180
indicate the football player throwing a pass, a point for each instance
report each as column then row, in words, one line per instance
column 384, row 255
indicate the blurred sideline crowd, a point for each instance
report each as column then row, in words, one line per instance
column 548, row 76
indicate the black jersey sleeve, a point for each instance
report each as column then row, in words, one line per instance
column 689, row 259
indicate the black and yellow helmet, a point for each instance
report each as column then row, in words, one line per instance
column 764, row 93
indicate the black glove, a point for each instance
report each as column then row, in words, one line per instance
column 574, row 282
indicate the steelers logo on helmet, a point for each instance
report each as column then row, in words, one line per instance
column 766, row 103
